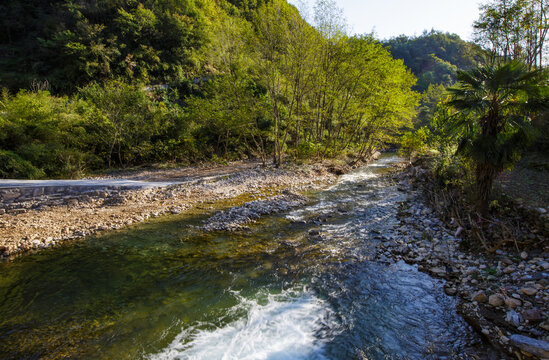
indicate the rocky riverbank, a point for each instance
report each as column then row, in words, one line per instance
column 504, row 296
column 36, row 223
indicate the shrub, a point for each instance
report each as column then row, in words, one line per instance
column 414, row 143
column 13, row 166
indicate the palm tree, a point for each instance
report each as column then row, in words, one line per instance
column 495, row 105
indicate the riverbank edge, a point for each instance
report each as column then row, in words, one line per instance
column 504, row 296
column 39, row 224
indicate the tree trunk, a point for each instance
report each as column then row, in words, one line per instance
column 485, row 175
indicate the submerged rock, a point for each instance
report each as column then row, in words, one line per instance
column 237, row 217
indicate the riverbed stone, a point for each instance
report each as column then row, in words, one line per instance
column 530, row 291
column 514, row 318
column 512, row 303
column 535, row 347
column 496, row 300
column 451, row 291
column 479, row 297
column 532, row 315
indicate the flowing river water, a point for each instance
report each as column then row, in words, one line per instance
column 299, row 285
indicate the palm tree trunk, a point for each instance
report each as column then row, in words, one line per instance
column 485, row 175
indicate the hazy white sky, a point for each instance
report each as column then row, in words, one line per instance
column 389, row 18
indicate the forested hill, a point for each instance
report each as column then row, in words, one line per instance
column 434, row 56
column 70, row 43
column 114, row 83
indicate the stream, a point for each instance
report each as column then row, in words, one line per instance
column 298, row 285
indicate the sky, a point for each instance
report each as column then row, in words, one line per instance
column 390, row 18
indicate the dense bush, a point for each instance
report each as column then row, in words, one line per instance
column 112, row 124
column 47, row 135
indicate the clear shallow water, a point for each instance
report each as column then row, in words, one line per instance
column 165, row 290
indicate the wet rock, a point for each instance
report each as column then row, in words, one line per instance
column 535, row 347
column 451, row 291
column 496, row 300
column 337, row 169
column 479, row 297
column 235, row 218
column 509, row 269
column 313, row 232
column 439, row 271
column 471, row 271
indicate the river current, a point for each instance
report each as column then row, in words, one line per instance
column 298, row 285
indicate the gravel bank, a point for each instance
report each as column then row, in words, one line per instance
column 43, row 222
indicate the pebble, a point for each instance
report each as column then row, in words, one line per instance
column 451, row 291
column 235, row 218
column 496, row 300
column 512, row 317
column 532, row 315
column 512, row 303
column 479, row 297
column 529, row 291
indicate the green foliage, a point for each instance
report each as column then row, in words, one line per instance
column 13, row 166
column 49, row 133
column 434, row 57
column 428, row 104
column 71, row 43
column 183, row 81
column 495, row 105
column 514, row 30
column 135, row 127
column 414, row 143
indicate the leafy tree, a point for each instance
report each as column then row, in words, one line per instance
column 428, row 104
column 514, row 30
column 495, row 104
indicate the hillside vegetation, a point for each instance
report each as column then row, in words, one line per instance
column 434, row 57
column 112, row 83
